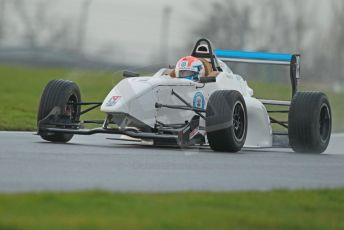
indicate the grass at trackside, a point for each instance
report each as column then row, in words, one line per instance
column 322, row 209
column 21, row 88
column 283, row 92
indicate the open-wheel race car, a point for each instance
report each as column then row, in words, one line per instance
column 219, row 109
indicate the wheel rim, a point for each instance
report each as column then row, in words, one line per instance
column 71, row 109
column 325, row 123
column 239, row 121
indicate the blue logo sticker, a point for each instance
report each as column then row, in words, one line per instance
column 184, row 64
column 198, row 101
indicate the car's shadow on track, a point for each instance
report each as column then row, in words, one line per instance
column 131, row 145
column 287, row 151
column 189, row 149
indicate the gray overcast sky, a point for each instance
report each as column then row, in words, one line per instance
column 134, row 26
column 117, row 29
column 130, row 30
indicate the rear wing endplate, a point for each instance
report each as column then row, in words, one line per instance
column 292, row 60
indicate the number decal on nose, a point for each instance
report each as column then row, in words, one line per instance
column 113, row 100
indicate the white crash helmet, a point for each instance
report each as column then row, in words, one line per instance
column 190, row 68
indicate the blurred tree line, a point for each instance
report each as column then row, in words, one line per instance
column 315, row 29
column 48, row 32
column 36, row 25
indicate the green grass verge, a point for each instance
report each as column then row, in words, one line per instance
column 322, row 209
column 21, row 88
column 283, row 92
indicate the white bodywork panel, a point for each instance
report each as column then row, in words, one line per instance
column 136, row 97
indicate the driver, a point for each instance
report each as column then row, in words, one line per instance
column 190, row 68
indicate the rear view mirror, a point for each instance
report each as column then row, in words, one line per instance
column 127, row 74
column 207, row 79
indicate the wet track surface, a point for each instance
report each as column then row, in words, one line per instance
column 93, row 162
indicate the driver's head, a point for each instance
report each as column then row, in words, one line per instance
column 190, row 68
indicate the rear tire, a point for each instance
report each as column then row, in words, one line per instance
column 310, row 122
column 58, row 93
column 226, row 121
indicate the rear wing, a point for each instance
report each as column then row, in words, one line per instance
column 292, row 60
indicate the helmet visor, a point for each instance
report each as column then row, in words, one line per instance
column 187, row 73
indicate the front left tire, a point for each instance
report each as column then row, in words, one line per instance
column 226, row 121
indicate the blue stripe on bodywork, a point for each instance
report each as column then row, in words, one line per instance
column 253, row 55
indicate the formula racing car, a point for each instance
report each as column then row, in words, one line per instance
column 218, row 110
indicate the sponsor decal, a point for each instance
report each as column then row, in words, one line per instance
column 113, row 100
column 183, row 64
column 198, row 101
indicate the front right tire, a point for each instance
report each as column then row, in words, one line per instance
column 60, row 94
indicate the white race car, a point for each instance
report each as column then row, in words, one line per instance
column 219, row 110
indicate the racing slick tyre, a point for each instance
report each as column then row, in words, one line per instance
column 310, row 122
column 226, row 121
column 59, row 94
